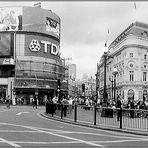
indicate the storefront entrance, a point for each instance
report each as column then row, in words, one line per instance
column 130, row 95
column 3, row 90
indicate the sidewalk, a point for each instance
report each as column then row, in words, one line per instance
column 70, row 120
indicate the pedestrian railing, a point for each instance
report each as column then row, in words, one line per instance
column 101, row 116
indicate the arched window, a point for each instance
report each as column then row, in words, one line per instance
column 145, row 94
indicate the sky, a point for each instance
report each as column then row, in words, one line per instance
column 85, row 25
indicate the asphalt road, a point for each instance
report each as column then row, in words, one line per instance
column 23, row 126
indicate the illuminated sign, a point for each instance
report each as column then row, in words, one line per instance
column 10, row 18
column 35, row 46
column 8, row 61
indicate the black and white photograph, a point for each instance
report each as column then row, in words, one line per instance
column 73, row 74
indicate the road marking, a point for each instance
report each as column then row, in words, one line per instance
column 54, row 131
column 66, row 137
column 5, row 110
column 21, row 113
column 94, row 143
column 16, row 131
column 95, row 129
column 9, row 142
column 32, row 142
column 66, row 142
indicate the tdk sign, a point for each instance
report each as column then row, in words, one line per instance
column 35, row 46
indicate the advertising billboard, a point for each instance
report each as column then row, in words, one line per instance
column 29, row 19
column 41, row 46
column 41, row 20
column 6, row 44
column 10, row 18
column 52, row 26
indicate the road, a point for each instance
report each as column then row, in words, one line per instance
column 23, row 126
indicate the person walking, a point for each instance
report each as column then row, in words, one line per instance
column 32, row 100
column 131, row 108
column 65, row 104
column 118, row 106
column 70, row 101
column 8, row 102
column 35, row 102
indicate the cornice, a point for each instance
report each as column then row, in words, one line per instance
column 136, row 29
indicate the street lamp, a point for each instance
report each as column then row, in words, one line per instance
column 105, row 55
column 112, row 81
column 115, row 72
column 96, row 85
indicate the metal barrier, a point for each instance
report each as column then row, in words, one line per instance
column 102, row 116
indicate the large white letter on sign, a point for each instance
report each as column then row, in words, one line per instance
column 54, row 49
column 45, row 45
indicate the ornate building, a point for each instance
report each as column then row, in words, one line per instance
column 129, row 54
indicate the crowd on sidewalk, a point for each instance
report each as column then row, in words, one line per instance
column 88, row 103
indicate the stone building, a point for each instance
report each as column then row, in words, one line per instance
column 128, row 53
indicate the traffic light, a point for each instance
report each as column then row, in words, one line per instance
column 83, row 87
column 58, row 83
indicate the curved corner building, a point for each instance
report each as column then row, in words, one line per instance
column 30, row 62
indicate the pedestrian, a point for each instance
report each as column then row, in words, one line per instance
column 65, row 104
column 35, row 102
column 70, row 101
column 131, row 107
column 55, row 100
column 118, row 106
column 8, row 102
column 32, row 100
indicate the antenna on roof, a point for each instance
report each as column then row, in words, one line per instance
column 135, row 12
column 107, row 37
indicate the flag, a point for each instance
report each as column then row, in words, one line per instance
column 135, row 5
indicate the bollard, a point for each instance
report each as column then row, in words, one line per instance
column 120, row 118
column 75, row 116
column 95, row 114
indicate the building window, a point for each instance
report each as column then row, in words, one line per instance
column 144, row 76
column 145, row 56
column 131, row 73
column 131, row 55
column 144, row 66
column 131, row 65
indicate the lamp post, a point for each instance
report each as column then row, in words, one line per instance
column 96, row 85
column 115, row 72
column 105, row 92
column 112, row 81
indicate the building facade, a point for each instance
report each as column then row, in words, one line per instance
column 129, row 54
column 30, row 61
column 72, row 83
column 72, row 71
